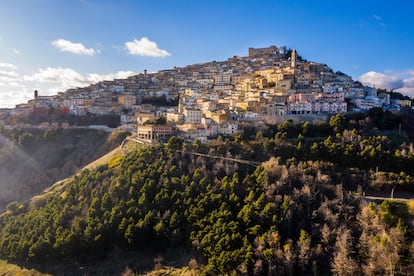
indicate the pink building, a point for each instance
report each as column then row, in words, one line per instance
column 315, row 103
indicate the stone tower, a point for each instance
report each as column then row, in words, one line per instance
column 293, row 58
column 36, row 94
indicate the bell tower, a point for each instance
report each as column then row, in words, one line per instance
column 293, row 58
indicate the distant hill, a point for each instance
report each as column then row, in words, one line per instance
column 32, row 159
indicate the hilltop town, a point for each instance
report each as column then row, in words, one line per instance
column 269, row 85
column 285, row 184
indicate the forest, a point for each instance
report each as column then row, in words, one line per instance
column 287, row 199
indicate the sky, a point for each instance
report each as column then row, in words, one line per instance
column 54, row 45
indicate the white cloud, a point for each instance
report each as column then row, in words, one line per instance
column 16, row 51
column 380, row 80
column 377, row 17
column 12, row 93
column 145, row 47
column 9, row 76
column 55, row 79
column 407, row 91
column 69, row 78
column 399, row 81
column 15, row 88
column 94, row 78
column 8, row 72
column 15, row 84
column 71, row 47
column 8, row 66
column 65, row 76
column 408, row 86
column 409, row 82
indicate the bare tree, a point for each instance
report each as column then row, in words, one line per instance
column 342, row 263
column 378, row 245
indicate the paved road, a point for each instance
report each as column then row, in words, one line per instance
column 242, row 161
column 388, row 198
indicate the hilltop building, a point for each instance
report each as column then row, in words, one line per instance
column 155, row 133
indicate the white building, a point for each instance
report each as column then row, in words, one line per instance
column 192, row 115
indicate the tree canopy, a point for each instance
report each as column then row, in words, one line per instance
column 301, row 211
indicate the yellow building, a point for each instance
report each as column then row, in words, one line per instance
column 144, row 117
column 218, row 116
column 127, row 101
column 403, row 102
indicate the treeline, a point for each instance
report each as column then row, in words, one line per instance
column 369, row 150
column 30, row 138
column 56, row 116
column 285, row 217
column 160, row 100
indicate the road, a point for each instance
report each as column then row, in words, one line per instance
column 388, row 198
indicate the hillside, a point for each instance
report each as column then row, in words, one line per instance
column 33, row 159
column 203, row 207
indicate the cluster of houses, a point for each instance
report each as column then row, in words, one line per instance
column 269, row 85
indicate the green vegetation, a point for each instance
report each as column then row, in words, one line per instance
column 57, row 116
column 8, row 269
column 300, row 212
column 160, row 100
column 115, row 161
column 159, row 121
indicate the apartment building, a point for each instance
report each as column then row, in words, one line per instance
column 127, row 101
column 192, row 115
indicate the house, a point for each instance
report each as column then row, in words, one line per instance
column 192, row 131
column 155, row 133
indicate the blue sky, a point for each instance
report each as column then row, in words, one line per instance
column 52, row 45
